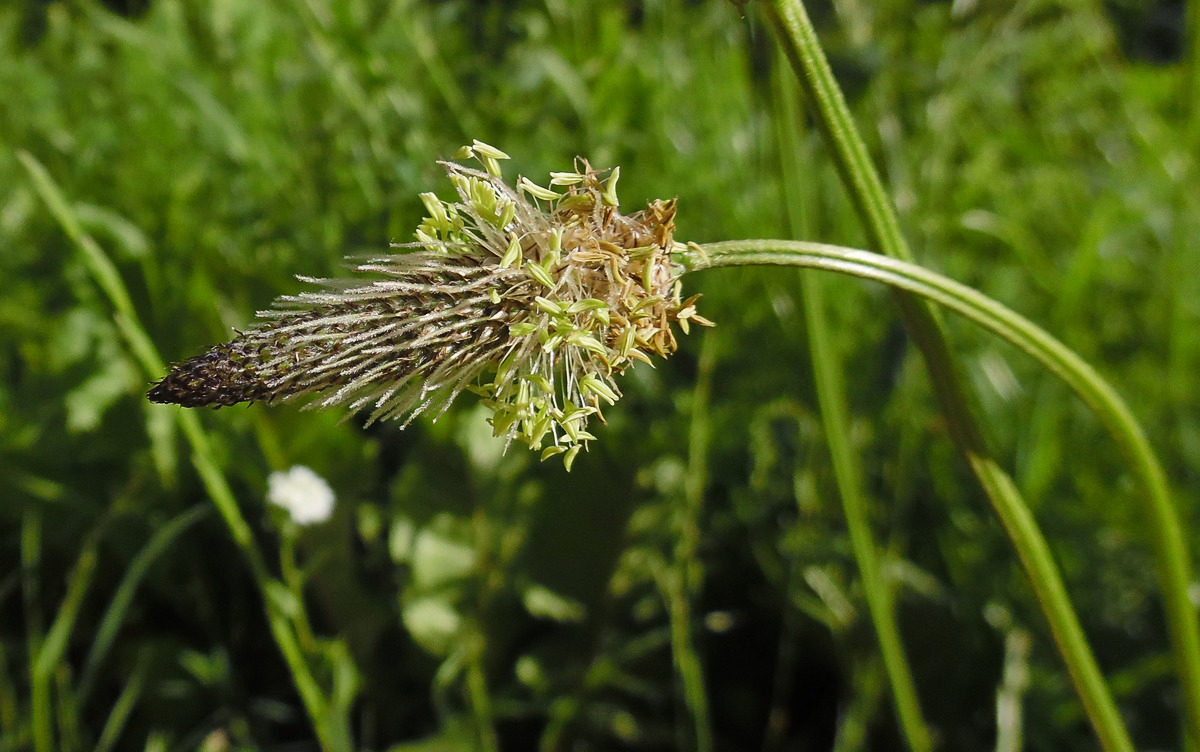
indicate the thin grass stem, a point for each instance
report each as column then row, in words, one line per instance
column 122, row 599
column 106, row 276
column 40, row 713
column 122, row 708
column 850, row 155
column 847, row 469
column 54, row 647
column 684, row 583
column 1191, row 94
column 478, row 695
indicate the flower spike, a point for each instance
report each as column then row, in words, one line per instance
column 534, row 305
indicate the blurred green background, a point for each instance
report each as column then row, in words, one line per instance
column 1044, row 152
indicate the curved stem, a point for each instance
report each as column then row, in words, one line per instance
column 802, row 47
column 1165, row 527
column 865, row 189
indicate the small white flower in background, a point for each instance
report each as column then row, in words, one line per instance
column 303, row 494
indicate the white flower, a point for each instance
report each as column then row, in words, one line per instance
column 305, row 496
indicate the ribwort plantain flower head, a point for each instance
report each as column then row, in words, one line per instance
column 533, row 297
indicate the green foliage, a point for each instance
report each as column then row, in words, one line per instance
column 691, row 581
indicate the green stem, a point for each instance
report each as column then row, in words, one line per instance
column 850, row 155
column 122, row 598
column 847, row 469
column 40, row 712
column 1191, row 94
column 832, row 117
column 108, row 279
column 477, row 692
column 293, row 577
column 684, row 580
column 123, row 706
column 54, row 647
column 1164, row 524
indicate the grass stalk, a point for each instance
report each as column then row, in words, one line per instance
column 478, row 695
column 40, row 714
column 684, row 583
column 853, row 162
column 122, row 599
column 122, row 708
column 847, row 469
column 1191, row 94
column 54, row 647
column 107, row 277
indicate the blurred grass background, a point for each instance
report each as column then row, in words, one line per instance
column 1044, row 152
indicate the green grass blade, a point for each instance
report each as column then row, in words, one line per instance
column 847, row 469
column 1191, row 95
column 40, row 713
column 103, row 271
column 683, row 578
column 118, row 716
column 118, row 607
column 853, row 162
column 54, row 647
column 106, row 275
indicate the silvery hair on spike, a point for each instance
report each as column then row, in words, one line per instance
column 535, row 298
